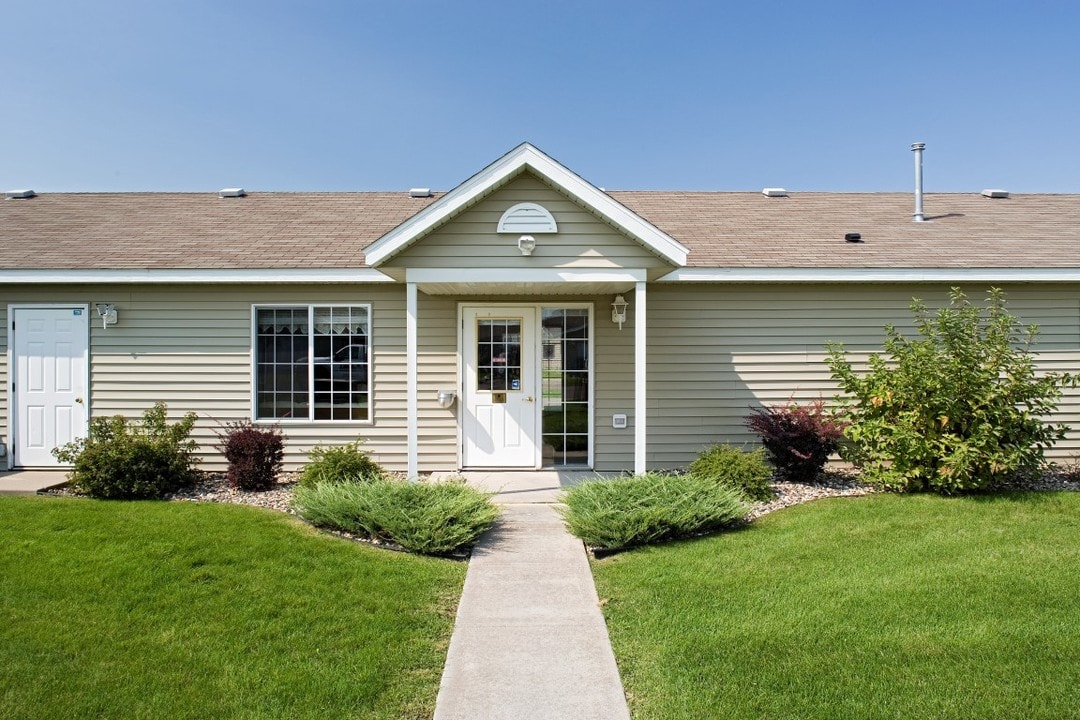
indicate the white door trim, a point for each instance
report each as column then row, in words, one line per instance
column 13, row 369
column 538, row 360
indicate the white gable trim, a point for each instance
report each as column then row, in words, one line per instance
column 197, row 275
column 868, row 275
column 523, row 157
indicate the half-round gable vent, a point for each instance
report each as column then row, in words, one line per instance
column 527, row 218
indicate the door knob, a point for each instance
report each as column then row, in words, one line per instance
column 528, row 398
column 79, row 400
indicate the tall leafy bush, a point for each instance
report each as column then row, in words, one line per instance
column 122, row 460
column 959, row 408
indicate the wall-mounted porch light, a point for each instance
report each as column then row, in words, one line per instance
column 446, row 398
column 618, row 310
column 526, row 244
column 107, row 313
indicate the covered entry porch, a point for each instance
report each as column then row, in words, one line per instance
column 524, row 231
column 529, row 357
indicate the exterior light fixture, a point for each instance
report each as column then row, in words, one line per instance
column 526, row 244
column 618, row 310
column 446, row 398
column 107, row 313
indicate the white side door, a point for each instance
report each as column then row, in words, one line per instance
column 49, row 381
column 499, row 388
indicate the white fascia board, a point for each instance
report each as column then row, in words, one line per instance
column 525, row 156
column 871, row 275
column 195, row 276
column 524, row 275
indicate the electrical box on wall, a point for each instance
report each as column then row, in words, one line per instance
column 618, row 421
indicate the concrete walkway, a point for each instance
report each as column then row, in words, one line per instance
column 30, row 482
column 529, row 640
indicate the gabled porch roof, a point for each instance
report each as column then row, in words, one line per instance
column 523, row 158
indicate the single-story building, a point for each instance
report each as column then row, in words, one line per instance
column 524, row 319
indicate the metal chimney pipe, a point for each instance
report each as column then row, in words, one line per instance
column 917, row 148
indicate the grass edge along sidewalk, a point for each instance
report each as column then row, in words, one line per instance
column 887, row 606
column 185, row 610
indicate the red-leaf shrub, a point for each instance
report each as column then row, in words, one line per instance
column 797, row 438
column 255, row 454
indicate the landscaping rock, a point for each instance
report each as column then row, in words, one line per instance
column 215, row 488
column 835, row 484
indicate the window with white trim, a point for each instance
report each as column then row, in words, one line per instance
column 313, row 362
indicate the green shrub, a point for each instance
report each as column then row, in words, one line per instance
column 959, row 408
column 430, row 518
column 734, row 468
column 255, row 454
column 797, row 438
column 649, row 508
column 348, row 463
column 121, row 460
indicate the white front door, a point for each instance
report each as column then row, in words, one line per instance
column 499, row 388
column 49, row 356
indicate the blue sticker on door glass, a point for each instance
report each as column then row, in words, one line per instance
column 77, row 311
column 515, row 384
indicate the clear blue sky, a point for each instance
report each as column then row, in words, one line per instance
column 270, row 95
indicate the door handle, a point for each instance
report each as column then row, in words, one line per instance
column 528, row 398
column 79, row 400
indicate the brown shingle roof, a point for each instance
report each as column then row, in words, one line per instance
column 188, row 230
column 749, row 230
column 737, row 230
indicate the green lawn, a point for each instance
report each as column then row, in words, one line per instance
column 886, row 606
column 178, row 610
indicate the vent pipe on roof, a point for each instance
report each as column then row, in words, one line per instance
column 917, row 148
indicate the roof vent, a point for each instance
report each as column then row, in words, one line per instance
column 527, row 218
column 995, row 193
column 853, row 237
column 420, row 192
column 231, row 192
column 774, row 192
column 19, row 194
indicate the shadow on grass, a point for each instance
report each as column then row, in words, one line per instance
column 603, row 553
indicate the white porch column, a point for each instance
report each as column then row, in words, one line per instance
column 640, row 411
column 412, row 424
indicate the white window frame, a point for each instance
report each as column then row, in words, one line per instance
column 255, row 307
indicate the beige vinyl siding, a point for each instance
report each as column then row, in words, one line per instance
column 191, row 347
column 613, row 358
column 716, row 350
column 437, row 343
column 470, row 240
